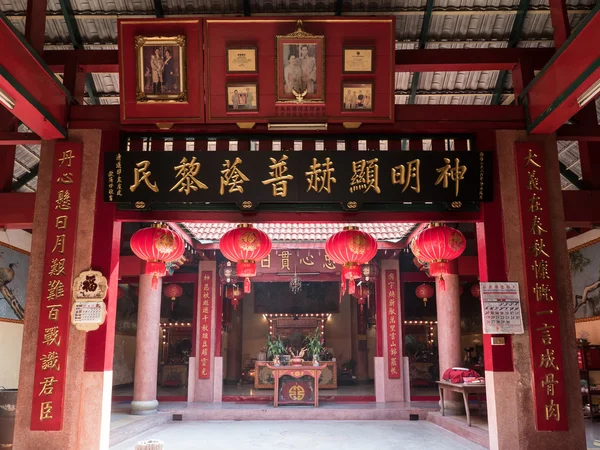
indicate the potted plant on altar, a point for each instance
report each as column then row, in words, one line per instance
column 275, row 348
column 314, row 345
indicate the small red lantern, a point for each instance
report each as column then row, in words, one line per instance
column 173, row 291
column 157, row 246
column 234, row 293
column 437, row 246
column 361, row 294
column 475, row 290
column 424, row 292
column 351, row 248
column 245, row 245
column 120, row 293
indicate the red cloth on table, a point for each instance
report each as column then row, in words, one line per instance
column 456, row 376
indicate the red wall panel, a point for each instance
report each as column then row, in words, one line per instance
column 261, row 33
column 191, row 111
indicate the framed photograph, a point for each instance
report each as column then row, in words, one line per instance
column 358, row 60
column 161, row 69
column 300, row 66
column 242, row 60
column 14, row 269
column 242, row 97
column 357, row 96
column 585, row 278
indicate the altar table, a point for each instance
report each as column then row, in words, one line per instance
column 296, row 391
column 465, row 389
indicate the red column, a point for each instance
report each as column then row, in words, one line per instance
column 7, row 164
column 234, row 345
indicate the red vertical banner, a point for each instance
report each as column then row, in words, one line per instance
column 205, row 312
column 53, row 326
column 544, row 323
column 393, row 323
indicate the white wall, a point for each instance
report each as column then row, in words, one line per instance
column 11, row 334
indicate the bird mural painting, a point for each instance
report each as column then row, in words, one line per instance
column 7, row 274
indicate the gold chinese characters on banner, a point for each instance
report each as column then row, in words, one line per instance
column 394, row 330
column 204, row 315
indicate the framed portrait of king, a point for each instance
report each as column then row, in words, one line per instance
column 300, row 66
column 160, row 69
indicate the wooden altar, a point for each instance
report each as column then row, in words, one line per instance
column 264, row 379
column 291, row 386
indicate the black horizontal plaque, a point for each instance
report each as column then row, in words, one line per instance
column 250, row 178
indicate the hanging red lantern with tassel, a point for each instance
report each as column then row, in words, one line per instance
column 437, row 246
column 234, row 293
column 475, row 290
column 173, row 291
column 245, row 245
column 351, row 248
column 157, row 245
column 424, row 292
column 361, row 294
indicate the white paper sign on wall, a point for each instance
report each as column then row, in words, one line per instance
column 501, row 308
column 88, row 316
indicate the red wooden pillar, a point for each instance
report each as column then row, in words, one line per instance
column 100, row 344
column 589, row 154
column 560, row 22
column 492, row 260
column 7, row 164
column 522, row 75
column 35, row 24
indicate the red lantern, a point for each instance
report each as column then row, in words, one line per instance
column 233, row 293
column 173, row 291
column 475, row 290
column 351, row 248
column 424, row 292
column 437, row 246
column 157, row 246
column 120, row 293
column 361, row 294
column 245, row 245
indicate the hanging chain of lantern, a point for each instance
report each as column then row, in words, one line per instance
column 234, row 293
column 173, row 291
column 351, row 248
column 424, row 292
column 245, row 245
column 437, row 246
column 157, row 245
column 295, row 283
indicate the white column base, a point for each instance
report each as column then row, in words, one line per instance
column 144, row 408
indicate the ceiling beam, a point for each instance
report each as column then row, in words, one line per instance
column 560, row 22
column 422, row 41
column 77, row 41
column 425, row 60
column 158, row 9
column 26, row 178
column 17, row 210
column 14, row 138
column 515, row 37
column 581, row 208
column 570, row 176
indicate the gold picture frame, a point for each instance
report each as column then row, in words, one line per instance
column 357, row 96
column 242, row 97
column 358, row 59
column 161, row 69
column 303, row 81
column 242, row 59
column 572, row 256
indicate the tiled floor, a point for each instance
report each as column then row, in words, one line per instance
column 323, row 434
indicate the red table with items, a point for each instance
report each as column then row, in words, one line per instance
column 297, row 393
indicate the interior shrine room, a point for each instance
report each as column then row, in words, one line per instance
column 299, row 224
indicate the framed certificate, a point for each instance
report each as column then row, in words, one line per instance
column 242, row 60
column 358, row 59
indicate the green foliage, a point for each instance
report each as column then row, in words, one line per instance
column 578, row 261
column 275, row 346
column 313, row 343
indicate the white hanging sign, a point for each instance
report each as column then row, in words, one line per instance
column 501, row 308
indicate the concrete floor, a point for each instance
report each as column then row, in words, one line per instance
column 326, row 435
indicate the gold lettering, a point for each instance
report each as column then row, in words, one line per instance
column 50, row 361
column 232, row 177
column 63, row 201
column 455, row 173
column 404, row 175
column 553, row 411
column 536, row 226
column 188, row 171
column 57, row 267
column 307, row 260
column 549, row 383
column 285, row 260
column 67, row 156
column 141, row 173
column 546, row 337
column 534, row 203
column 266, row 263
column 53, row 313
column 46, row 410
column 51, row 336
column 547, row 360
column 47, row 386
column 365, row 176
column 542, row 292
column 59, row 245
column 540, row 269
column 65, row 178
column 319, row 177
column 61, row 223
column 328, row 264
column 537, row 248
column 533, row 181
column 530, row 159
column 278, row 178
column 56, row 290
